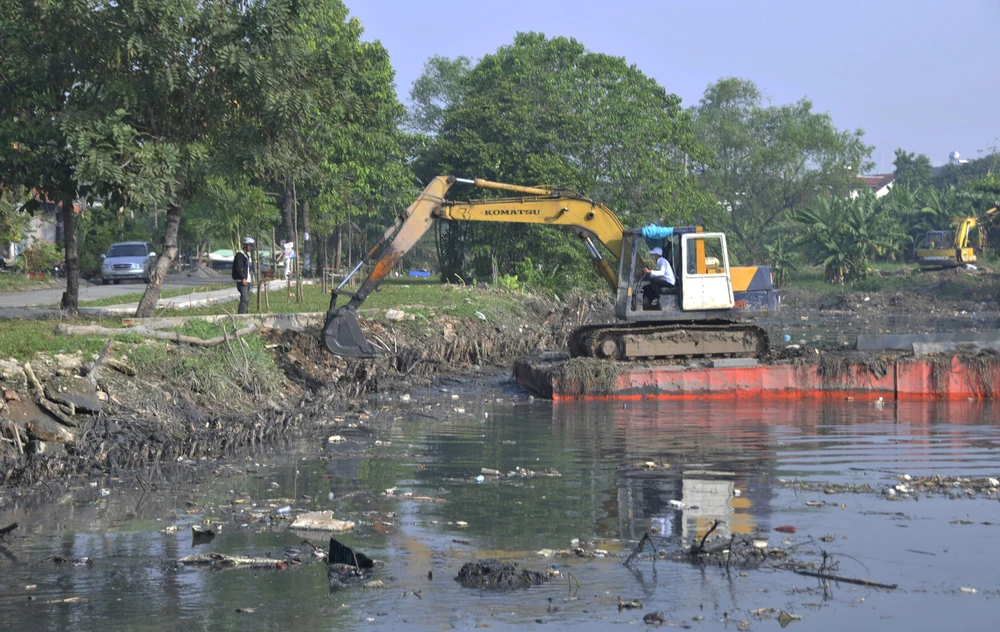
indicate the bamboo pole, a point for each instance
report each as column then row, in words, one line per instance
column 297, row 266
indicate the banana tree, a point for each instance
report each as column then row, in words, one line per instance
column 845, row 235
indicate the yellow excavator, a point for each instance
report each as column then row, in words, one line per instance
column 949, row 248
column 697, row 318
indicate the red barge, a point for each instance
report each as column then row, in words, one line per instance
column 954, row 377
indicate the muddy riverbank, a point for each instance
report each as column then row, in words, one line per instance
column 149, row 402
column 142, row 403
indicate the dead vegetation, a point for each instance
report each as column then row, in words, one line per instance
column 497, row 575
column 746, row 552
column 981, row 370
column 842, row 368
column 590, row 376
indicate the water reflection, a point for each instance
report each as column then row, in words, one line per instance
column 624, row 469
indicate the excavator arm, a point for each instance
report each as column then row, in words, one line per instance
column 585, row 218
column 965, row 226
column 537, row 205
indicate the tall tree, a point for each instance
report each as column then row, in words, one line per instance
column 53, row 65
column 912, row 170
column 439, row 87
column 210, row 87
column 169, row 89
column 767, row 161
column 362, row 173
column 548, row 111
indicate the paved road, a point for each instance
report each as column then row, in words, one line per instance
column 91, row 291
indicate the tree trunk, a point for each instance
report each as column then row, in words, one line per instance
column 168, row 252
column 298, row 249
column 289, row 211
column 307, row 241
column 338, row 249
column 71, row 297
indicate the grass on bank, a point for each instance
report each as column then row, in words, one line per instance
column 14, row 282
column 425, row 299
column 225, row 373
column 135, row 297
column 22, row 340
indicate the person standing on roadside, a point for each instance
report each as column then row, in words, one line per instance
column 243, row 273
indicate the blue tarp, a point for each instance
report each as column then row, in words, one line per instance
column 657, row 232
column 420, row 273
column 654, row 235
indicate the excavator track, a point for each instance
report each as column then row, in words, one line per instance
column 674, row 341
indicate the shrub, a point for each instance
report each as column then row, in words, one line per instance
column 39, row 257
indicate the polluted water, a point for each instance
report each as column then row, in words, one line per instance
column 823, row 515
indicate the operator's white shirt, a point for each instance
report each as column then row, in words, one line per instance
column 663, row 270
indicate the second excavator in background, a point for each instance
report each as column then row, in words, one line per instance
column 703, row 316
column 950, row 248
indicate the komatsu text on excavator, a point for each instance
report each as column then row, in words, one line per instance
column 702, row 316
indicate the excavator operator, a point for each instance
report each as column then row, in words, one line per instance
column 661, row 277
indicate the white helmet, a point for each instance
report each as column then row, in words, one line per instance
column 656, row 251
column 248, row 241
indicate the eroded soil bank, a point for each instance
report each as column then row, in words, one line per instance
column 149, row 402
column 143, row 403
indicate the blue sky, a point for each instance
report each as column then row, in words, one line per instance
column 917, row 74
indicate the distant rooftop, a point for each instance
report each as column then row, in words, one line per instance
column 878, row 181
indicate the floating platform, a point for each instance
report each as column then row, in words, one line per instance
column 900, row 378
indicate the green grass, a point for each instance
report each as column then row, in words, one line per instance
column 225, row 373
column 134, row 297
column 896, row 277
column 23, row 339
column 423, row 298
column 11, row 282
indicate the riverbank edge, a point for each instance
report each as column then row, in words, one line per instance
column 144, row 401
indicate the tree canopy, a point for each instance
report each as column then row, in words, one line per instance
column 227, row 113
column 768, row 161
column 546, row 110
column 912, row 170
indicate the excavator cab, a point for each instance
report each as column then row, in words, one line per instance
column 942, row 248
column 706, row 288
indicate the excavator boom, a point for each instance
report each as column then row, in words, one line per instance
column 706, row 294
column 588, row 219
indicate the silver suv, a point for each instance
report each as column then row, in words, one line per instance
column 127, row 260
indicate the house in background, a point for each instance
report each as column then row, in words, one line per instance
column 45, row 225
column 879, row 183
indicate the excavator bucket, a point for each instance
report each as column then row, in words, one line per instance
column 342, row 336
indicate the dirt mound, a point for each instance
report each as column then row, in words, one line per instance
column 497, row 575
column 201, row 272
column 443, row 344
